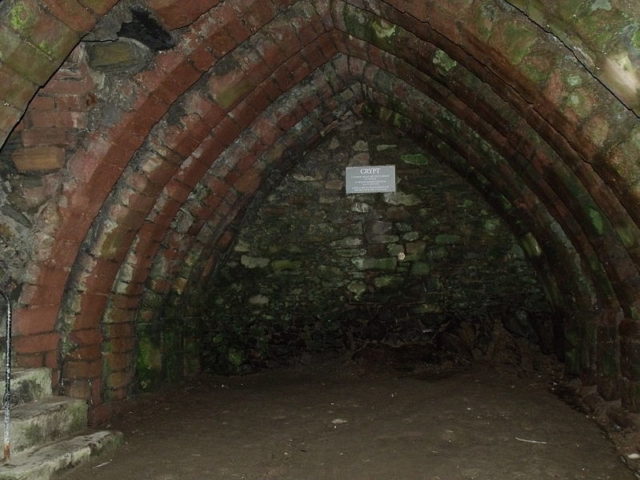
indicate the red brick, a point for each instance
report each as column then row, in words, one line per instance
column 202, row 58
column 178, row 191
column 236, row 29
column 51, row 136
column 127, row 219
column 82, row 369
column 120, row 379
column 210, row 149
column 72, row 103
column 74, row 15
column 117, row 315
column 178, row 139
column 249, row 182
column 192, row 175
column 86, row 337
column 284, row 34
column 157, row 169
column 122, row 344
column 51, row 361
column 175, row 82
column 177, row 13
column 267, row 132
column 100, row 414
column 118, row 393
column 34, row 320
column 87, row 352
column 99, row 6
column 256, row 13
column 243, row 114
column 227, row 132
column 39, row 159
column 78, row 388
column 147, row 111
column 90, row 315
column 48, row 290
column 118, row 330
column 221, row 42
column 57, row 119
column 40, row 343
column 58, row 85
column 30, row 361
column 119, row 361
column 225, row 240
column 100, row 279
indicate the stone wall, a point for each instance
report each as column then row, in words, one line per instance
column 314, row 269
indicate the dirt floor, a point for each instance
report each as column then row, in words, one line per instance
column 338, row 422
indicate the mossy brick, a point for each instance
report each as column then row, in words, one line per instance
column 14, row 88
column 517, row 40
column 39, row 28
column 368, row 27
column 444, row 61
column 24, row 58
column 229, row 83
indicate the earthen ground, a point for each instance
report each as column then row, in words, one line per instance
column 336, row 421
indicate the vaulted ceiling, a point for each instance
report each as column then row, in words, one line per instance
column 135, row 132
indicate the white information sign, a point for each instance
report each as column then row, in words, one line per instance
column 371, row 179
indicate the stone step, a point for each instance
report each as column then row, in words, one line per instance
column 27, row 384
column 43, row 421
column 43, row 462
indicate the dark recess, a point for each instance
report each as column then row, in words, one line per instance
column 147, row 30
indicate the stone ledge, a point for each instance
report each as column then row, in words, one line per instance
column 42, row 463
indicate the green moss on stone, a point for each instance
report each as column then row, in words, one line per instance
column 148, row 364
column 254, row 262
column 20, row 16
column 518, row 42
column 372, row 29
column 635, row 40
column 530, row 245
column 600, row 5
column 284, row 264
column 573, row 80
column 444, row 61
column 226, row 98
column 375, row 263
column 415, row 158
column 597, row 220
column 626, row 233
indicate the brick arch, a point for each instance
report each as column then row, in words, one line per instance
column 528, row 206
column 129, row 192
